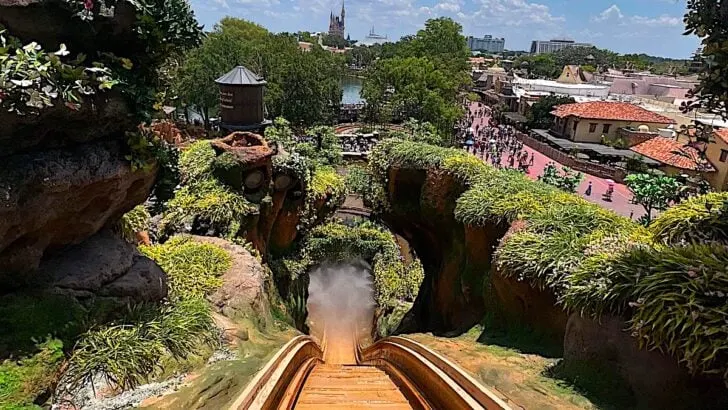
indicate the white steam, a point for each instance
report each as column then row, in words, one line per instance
column 340, row 304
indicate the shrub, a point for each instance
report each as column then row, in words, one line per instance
column 467, row 169
column 326, row 184
column 32, row 79
column 195, row 163
column 600, row 284
column 207, row 203
column 127, row 355
column 505, row 197
column 567, row 180
column 193, row 269
column 358, row 180
column 543, row 260
column 204, row 204
column 698, row 220
column 136, row 220
column 680, row 303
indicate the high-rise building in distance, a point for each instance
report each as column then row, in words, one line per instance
column 552, row 46
column 487, row 44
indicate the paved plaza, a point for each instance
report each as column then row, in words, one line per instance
column 621, row 199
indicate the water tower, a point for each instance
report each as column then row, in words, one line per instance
column 241, row 100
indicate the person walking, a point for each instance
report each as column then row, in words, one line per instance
column 588, row 191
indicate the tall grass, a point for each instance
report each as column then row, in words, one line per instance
column 697, row 220
column 129, row 354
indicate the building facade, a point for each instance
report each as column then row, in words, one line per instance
column 580, row 92
column 487, row 44
column 552, row 46
column 590, row 121
column 337, row 26
column 717, row 154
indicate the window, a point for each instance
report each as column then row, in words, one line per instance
column 592, row 127
column 605, row 128
column 723, row 155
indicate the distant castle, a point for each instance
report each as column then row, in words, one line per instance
column 336, row 23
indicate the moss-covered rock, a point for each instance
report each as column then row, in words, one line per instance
column 395, row 281
column 577, row 255
column 214, row 202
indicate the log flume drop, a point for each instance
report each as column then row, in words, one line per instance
column 338, row 366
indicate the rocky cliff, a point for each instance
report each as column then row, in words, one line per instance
column 505, row 251
column 68, row 171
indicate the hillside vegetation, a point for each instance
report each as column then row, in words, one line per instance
column 668, row 281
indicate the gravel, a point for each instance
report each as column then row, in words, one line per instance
column 87, row 397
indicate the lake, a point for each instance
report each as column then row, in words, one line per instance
column 352, row 90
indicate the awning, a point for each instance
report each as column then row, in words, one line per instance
column 516, row 117
column 568, row 145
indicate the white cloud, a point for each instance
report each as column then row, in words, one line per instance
column 613, row 14
column 510, row 13
column 222, row 3
column 663, row 20
column 449, row 6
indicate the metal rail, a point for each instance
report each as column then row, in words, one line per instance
column 425, row 378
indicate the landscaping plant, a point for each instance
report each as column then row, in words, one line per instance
column 653, row 192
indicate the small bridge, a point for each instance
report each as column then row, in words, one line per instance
column 353, row 207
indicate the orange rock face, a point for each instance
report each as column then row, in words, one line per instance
column 456, row 258
column 461, row 286
column 248, row 148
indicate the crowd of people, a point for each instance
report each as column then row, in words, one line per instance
column 358, row 143
column 493, row 142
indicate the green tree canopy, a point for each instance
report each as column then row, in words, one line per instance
column 654, row 193
column 420, row 76
column 540, row 66
column 539, row 116
column 302, row 86
column 414, row 88
column 550, row 65
column 707, row 19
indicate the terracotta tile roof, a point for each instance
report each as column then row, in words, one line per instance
column 722, row 133
column 610, row 110
column 664, row 150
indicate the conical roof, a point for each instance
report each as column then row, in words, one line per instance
column 240, row 76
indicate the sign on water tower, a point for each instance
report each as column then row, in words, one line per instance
column 241, row 99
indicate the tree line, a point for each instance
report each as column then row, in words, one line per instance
column 595, row 59
column 302, row 86
column 420, row 77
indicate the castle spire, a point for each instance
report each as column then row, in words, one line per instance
column 343, row 10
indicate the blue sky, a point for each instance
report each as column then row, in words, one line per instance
column 626, row 26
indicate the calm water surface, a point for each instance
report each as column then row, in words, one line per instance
column 352, row 90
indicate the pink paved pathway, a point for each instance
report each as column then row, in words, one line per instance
column 621, row 199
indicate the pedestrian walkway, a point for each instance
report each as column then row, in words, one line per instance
column 621, row 199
